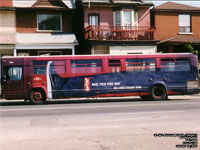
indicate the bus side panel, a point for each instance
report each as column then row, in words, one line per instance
column 111, row 83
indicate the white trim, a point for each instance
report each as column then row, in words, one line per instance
column 28, row 47
column 187, row 33
column 73, row 51
column 15, row 52
column 135, row 15
column 132, row 18
column 48, row 52
column 121, row 18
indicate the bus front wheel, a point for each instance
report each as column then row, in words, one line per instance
column 158, row 92
column 37, row 97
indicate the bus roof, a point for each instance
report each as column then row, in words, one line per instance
column 104, row 55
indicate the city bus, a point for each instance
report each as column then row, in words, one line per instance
column 153, row 76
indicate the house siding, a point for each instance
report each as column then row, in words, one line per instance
column 196, row 24
column 7, row 27
column 105, row 15
column 144, row 17
column 27, row 21
column 167, row 25
column 6, row 3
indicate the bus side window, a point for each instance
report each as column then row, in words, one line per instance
column 139, row 65
column 57, row 67
column 114, row 66
column 86, row 66
column 182, row 65
column 12, row 73
column 40, row 67
column 167, row 65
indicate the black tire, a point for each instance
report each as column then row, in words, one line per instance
column 37, row 97
column 158, row 92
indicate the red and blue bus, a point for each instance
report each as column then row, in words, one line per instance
column 152, row 76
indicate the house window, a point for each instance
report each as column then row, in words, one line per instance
column 125, row 18
column 184, row 23
column 93, row 19
column 117, row 18
column 49, row 22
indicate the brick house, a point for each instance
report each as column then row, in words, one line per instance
column 118, row 27
column 7, row 28
column 42, row 27
column 176, row 25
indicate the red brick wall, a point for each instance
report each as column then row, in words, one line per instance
column 5, row 3
column 144, row 17
column 196, row 24
column 26, row 21
column 105, row 15
column 167, row 25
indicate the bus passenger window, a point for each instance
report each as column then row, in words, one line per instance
column 39, row 69
column 114, row 66
column 114, row 62
column 182, row 65
column 139, row 65
column 167, row 65
column 12, row 73
column 179, row 64
column 86, row 66
column 56, row 67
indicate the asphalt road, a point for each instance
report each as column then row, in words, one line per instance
column 100, row 124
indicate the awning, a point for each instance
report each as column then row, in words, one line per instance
column 45, row 40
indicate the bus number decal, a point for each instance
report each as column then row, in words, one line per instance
column 86, row 84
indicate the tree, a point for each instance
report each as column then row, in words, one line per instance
column 193, row 50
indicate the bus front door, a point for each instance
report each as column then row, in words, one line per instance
column 12, row 84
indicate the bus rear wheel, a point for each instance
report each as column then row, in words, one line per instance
column 37, row 97
column 158, row 92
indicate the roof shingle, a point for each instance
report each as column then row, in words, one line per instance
column 169, row 6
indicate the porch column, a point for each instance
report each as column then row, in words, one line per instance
column 73, row 51
column 15, row 52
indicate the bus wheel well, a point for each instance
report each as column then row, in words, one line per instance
column 37, row 96
column 158, row 92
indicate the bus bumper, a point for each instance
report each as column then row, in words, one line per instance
column 193, row 91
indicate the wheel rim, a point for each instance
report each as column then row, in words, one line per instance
column 37, row 96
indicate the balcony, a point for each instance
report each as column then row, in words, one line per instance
column 119, row 33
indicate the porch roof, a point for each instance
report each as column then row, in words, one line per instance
column 182, row 39
column 45, row 39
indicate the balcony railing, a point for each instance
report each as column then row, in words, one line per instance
column 120, row 33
